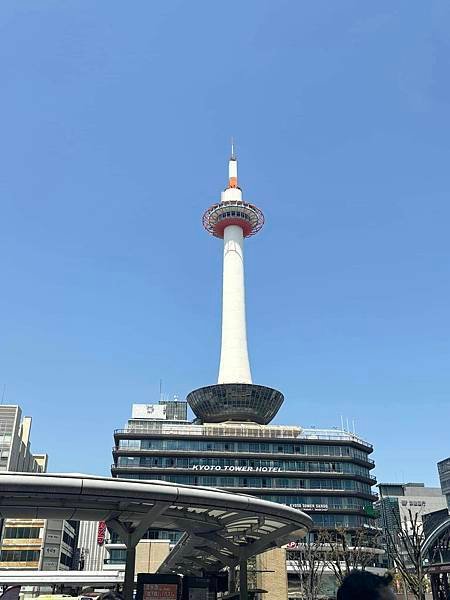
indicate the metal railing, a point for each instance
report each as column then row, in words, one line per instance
column 245, row 430
column 241, row 430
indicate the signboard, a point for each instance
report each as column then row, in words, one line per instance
column 49, row 565
column 101, row 532
column 158, row 587
column 309, row 506
column 160, row 591
column 236, row 469
column 148, row 411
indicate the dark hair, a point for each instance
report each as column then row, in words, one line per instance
column 362, row 585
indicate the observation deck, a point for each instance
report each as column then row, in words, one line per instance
column 233, row 212
column 242, row 402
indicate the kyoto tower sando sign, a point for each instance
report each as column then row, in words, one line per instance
column 234, row 397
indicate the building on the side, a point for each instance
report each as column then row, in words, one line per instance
column 400, row 504
column 444, row 478
column 92, row 539
column 15, row 448
column 436, row 547
column 46, row 545
column 408, row 499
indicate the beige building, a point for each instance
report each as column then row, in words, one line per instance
column 46, row 545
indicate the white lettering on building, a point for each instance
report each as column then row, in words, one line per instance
column 236, row 469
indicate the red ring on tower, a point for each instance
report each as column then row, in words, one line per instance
column 233, row 212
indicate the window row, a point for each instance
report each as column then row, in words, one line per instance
column 258, row 482
column 326, row 520
column 19, row 556
column 326, row 502
column 241, row 464
column 232, row 446
column 234, row 213
column 21, row 532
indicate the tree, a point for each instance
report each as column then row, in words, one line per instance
column 404, row 541
column 308, row 559
column 352, row 549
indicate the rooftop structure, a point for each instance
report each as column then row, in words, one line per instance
column 235, row 397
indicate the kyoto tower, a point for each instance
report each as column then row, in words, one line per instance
column 234, row 397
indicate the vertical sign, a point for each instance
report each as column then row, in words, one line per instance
column 101, row 533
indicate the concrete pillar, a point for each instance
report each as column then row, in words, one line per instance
column 234, row 362
column 232, row 580
column 243, row 580
column 128, row 584
column 271, row 574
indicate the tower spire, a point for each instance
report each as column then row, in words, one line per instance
column 232, row 168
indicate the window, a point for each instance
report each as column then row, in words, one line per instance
column 68, row 539
column 19, row 555
column 65, row 559
column 21, row 532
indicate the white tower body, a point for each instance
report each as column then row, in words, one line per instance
column 234, row 362
column 233, row 219
column 234, row 398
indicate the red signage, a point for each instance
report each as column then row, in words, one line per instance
column 101, row 533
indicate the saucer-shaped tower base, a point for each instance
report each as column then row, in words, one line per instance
column 243, row 402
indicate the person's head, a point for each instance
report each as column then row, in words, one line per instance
column 362, row 585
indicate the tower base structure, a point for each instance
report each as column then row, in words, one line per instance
column 242, row 402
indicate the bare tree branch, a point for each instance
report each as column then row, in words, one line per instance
column 404, row 545
column 307, row 557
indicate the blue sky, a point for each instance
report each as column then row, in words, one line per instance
column 115, row 128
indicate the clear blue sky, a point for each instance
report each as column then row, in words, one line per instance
column 115, row 127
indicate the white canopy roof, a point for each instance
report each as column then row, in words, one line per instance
column 220, row 527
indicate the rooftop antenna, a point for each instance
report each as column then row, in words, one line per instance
column 232, row 148
column 160, row 390
column 3, row 393
column 342, row 423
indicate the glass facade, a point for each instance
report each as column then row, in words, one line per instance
column 235, row 402
column 254, row 447
column 326, row 473
column 444, row 477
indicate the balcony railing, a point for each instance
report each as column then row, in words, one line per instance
column 243, row 430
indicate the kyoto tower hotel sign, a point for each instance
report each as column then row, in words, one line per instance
column 234, row 397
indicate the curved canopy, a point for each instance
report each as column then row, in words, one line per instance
column 435, row 534
column 220, row 527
